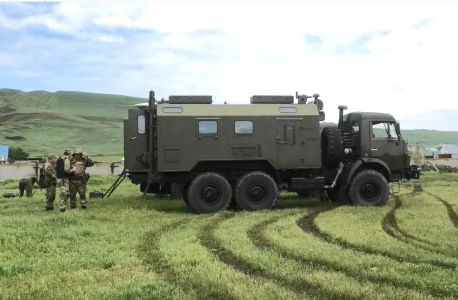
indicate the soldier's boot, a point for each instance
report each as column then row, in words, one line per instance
column 62, row 202
column 72, row 202
column 83, row 201
column 49, row 208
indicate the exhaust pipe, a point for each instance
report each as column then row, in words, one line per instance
column 341, row 109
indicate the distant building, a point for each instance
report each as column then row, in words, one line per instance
column 442, row 151
column 451, row 151
column 4, row 150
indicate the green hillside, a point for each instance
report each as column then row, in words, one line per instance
column 42, row 122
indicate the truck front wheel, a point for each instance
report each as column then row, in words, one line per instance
column 209, row 193
column 369, row 188
column 255, row 191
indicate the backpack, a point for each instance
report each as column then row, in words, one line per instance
column 60, row 168
column 43, row 182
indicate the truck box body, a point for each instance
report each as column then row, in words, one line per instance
column 284, row 135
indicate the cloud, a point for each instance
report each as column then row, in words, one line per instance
column 359, row 45
column 368, row 56
column 422, row 22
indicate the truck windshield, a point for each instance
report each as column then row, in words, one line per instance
column 384, row 130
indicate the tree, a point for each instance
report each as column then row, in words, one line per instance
column 17, row 154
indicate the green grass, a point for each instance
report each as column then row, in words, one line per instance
column 129, row 247
column 49, row 122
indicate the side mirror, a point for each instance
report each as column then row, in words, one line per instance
column 398, row 128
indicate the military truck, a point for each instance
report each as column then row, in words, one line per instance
column 244, row 154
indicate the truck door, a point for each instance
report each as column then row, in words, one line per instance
column 135, row 140
column 290, row 143
column 384, row 145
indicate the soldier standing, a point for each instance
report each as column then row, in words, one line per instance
column 79, row 180
column 50, row 177
column 63, row 173
column 89, row 163
column 27, row 185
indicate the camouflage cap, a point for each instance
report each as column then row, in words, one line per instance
column 51, row 156
column 77, row 151
column 67, row 151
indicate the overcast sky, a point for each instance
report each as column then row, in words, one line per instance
column 399, row 58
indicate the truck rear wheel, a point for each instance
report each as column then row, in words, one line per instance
column 332, row 147
column 255, row 191
column 209, row 193
column 369, row 188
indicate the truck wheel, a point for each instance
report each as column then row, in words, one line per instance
column 176, row 191
column 369, row 188
column 256, row 190
column 331, row 147
column 209, row 193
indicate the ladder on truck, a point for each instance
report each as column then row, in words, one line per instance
column 115, row 185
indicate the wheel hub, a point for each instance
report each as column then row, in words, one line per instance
column 257, row 193
column 210, row 194
column 369, row 190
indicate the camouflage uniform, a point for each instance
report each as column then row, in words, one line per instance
column 63, row 183
column 89, row 163
column 50, row 175
column 27, row 185
column 77, row 182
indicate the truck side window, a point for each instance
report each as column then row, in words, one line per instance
column 384, row 130
column 355, row 126
column 243, row 127
column 287, row 110
column 208, row 127
column 289, row 134
column 172, row 110
column 141, row 124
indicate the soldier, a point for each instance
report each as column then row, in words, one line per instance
column 79, row 180
column 63, row 173
column 50, row 177
column 89, row 163
column 27, row 185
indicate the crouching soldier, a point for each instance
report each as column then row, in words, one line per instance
column 50, row 181
column 63, row 173
column 27, row 185
column 78, row 181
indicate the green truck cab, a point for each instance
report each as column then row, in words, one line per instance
column 218, row 154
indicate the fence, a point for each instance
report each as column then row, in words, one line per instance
column 18, row 171
column 450, row 162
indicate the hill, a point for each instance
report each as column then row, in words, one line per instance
column 42, row 122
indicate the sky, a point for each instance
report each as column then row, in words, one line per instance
column 398, row 58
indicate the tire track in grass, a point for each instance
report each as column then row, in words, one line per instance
column 150, row 254
column 308, row 225
column 391, row 227
column 452, row 215
column 213, row 245
column 258, row 238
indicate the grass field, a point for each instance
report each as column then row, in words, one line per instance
column 128, row 247
column 41, row 122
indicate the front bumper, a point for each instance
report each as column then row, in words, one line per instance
column 412, row 172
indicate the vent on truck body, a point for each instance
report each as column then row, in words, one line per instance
column 190, row 99
column 271, row 99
